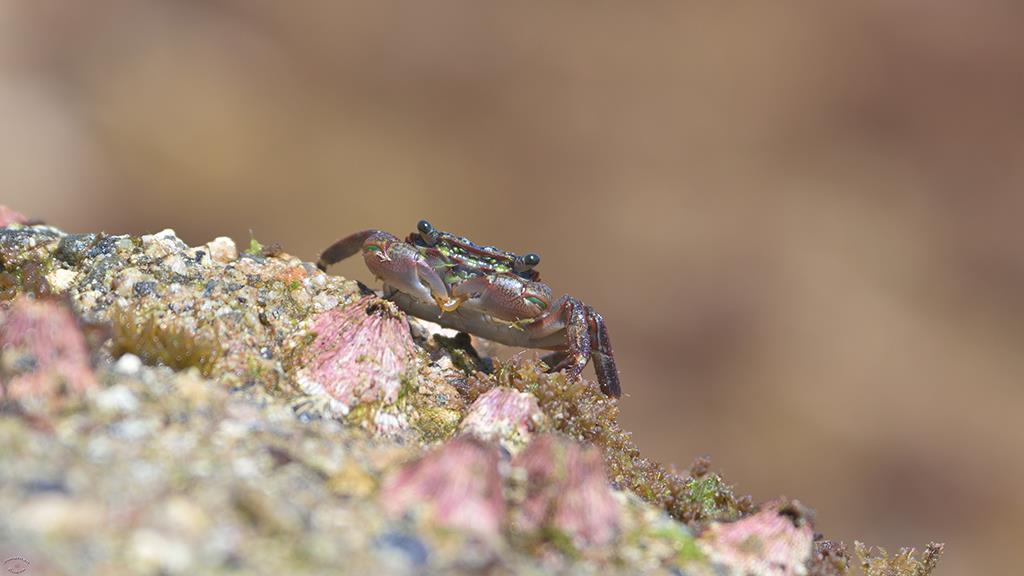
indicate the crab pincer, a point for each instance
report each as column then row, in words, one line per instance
column 394, row 261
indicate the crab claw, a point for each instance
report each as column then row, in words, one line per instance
column 448, row 305
column 402, row 266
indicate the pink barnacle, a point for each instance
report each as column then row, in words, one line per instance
column 8, row 217
column 360, row 354
column 505, row 416
column 42, row 351
column 566, row 490
column 777, row 541
column 457, row 486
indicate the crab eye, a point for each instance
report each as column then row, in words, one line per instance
column 537, row 302
column 427, row 232
column 525, row 263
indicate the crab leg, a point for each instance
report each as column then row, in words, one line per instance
column 586, row 337
column 601, row 354
column 557, row 360
column 502, row 296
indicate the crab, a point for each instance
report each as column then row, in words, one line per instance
column 486, row 291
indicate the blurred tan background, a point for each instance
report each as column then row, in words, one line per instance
column 800, row 219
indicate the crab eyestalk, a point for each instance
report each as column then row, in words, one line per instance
column 526, row 262
column 428, row 233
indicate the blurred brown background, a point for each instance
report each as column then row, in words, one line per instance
column 801, row 219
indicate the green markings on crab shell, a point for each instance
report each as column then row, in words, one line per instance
column 374, row 248
column 537, row 301
column 471, row 260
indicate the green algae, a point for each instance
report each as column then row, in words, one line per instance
column 160, row 341
column 580, row 410
column 878, row 562
column 255, row 248
column 436, row 423
column 682, row 541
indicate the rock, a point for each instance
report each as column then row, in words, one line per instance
column 156, row 553
column 117, row 399
column 222, row 250
column 33, row 244
column 175, row 263
column 74, row 248
column 161, row 244
column 126, row 279
column 254, row 415
column 128, row 365
column 409, row 546
column 43, row 354
column 8, row 217
column 59, row 515
column 60, row 279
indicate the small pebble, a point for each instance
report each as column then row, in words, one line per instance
column 161, row 244
column 158, row 554
column 222, row 249
column 128, row 365
column 117, row 399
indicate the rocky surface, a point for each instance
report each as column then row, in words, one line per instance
column 169, row 409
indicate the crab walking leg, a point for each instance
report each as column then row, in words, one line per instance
column 342, row 249
column 601, row 354
column 557, row 360
column 587, row 339
column 570, row 315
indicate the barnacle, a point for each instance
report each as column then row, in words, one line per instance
column 772, row 542
column 457, row 486
column 360, row 355
column 505, row 416
column 566, row 492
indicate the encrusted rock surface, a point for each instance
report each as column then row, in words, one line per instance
column 43, row 355
column 169, row 409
